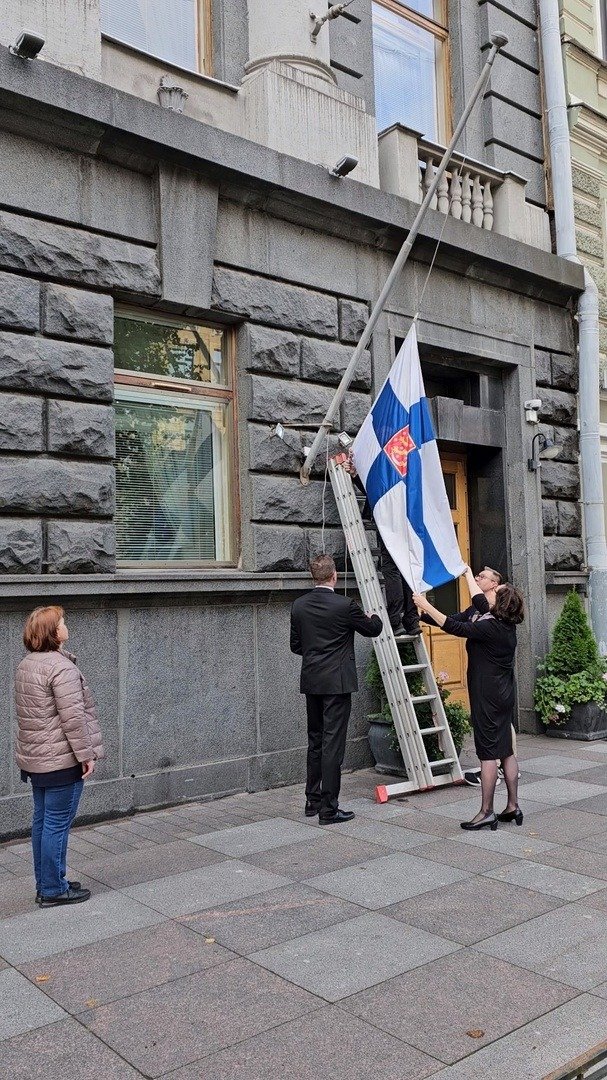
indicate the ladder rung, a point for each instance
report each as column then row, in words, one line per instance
column 443, row 761
column 409, row 669
column 431, row 730
column 406, row 637
column 421, row 699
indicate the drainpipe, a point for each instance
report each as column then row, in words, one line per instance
column 588, row 317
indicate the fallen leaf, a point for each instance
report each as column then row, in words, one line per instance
column 475, row 1033
column 209, row 940
column 42, row 978
column 92, row 1002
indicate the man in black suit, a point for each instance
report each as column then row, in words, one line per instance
column 323, row 625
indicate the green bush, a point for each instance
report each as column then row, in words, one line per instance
column 457, row 716
column 573, row 670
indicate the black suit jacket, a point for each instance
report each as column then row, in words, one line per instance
column 323, row 624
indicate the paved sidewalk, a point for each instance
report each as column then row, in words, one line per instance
column 237, row 939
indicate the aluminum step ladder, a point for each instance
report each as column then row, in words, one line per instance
column 421, row 771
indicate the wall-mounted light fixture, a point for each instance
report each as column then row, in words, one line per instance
column 545, row 450
column 531, row 410
column 27, row 45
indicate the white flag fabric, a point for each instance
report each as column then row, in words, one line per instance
column 396, row 457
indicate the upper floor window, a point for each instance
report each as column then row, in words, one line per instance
column 410, row 60
column 177, row 32
column 174, row 424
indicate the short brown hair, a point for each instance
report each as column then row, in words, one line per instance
column 490, row 570
column 509, row 605
column 322, row 569
column 40, row 633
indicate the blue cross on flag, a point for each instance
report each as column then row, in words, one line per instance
column 396, row 457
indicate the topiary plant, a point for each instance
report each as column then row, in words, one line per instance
column 573, row 671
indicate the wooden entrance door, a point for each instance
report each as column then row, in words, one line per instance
column 448, row 654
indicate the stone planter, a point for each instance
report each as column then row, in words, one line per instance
column 586, row 722
column 388, row 760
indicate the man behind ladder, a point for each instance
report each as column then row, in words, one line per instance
column 323, row 624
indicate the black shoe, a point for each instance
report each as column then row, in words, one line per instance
column 512, row 815
column 72, row 896
column 414, row 630
column 398, row 630
column 311, row 810
column 488, row 822
column 337, row 817
column 72, row 885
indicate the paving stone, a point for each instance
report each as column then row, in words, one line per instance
column 131, row 963
column 64, row 1049
column 326, row 1043
column 341, row 960
column 434, row 1006
column 598, row 842
column 558, row 791
column 428, row 823
column 452, row 853
column 553, row 765
column 539, row 1047
column 508, row 840
column 23, row 1006
column 569, row 945
column 258, row 836
column 377, row 811
column 270, row 918
column 472, row 910
column 595, row 804
column 386, row 880
column 596, row 774
column 388, row 836
column 563, row 826
column 591, row 863
column 547, row 879
column 466, row 809
column 175, row 1024
column 133, row 867
column 52, row 930
column 322, row 855
column 194, row 890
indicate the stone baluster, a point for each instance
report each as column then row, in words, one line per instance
column 443, row 194
column 487, row 206
column 477, row 202
column 466, row 197
column 455, row 193
column 428, row 178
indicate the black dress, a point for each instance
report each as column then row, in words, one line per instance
column 490, row 645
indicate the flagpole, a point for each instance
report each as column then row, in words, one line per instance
column 497, row 42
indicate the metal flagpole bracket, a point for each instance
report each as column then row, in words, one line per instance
column 497, row 42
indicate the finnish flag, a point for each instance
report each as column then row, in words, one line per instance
column 396, row 457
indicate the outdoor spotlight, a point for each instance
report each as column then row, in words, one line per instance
column 344, row 166
column 546, row 450
column 345, row 440
column 27, row 45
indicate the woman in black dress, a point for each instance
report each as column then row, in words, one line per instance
column 490, row 632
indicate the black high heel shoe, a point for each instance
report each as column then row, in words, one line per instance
column 512, row 815
column 488, row 822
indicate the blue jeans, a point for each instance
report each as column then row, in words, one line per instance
column 54, row 811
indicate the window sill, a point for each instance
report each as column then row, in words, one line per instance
column 198, row 76
column 153, row 583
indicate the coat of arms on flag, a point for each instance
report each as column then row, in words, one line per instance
column 397, row 459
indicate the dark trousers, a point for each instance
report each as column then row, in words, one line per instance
column 328, row 716
column 54, row 811
column 399, row 598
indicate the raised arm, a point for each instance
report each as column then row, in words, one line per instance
column 366, row 625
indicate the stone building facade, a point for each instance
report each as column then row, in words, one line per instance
column 142, row 487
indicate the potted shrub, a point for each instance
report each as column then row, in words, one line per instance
column 571, row 689
column 383, row 740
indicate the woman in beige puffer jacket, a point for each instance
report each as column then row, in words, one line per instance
column 58, row 742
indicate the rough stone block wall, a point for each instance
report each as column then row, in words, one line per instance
column 56, row 424
column 292, row 352
column 557, row 382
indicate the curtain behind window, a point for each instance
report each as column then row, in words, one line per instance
column 163, row 29
column 405, row 73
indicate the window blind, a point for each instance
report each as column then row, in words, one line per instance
column 163, row 29
column 405, row 73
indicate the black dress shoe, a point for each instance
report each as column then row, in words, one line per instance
column 72, row 885
column 512, row 815
column 488, row 822
column 414, row 630
column 72, row 896
column 311, row 810
column 337, row 817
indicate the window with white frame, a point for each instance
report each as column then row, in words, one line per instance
column 174, row 422
column 410, row 60
column 178, row 32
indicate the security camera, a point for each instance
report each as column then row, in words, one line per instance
column 531, row 410
column 27, row 45
column 344, row 166
column 534, row 403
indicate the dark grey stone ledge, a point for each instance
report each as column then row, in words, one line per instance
column 561, row 579
column 148, row 583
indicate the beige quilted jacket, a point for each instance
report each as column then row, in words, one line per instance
column 56, row 714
